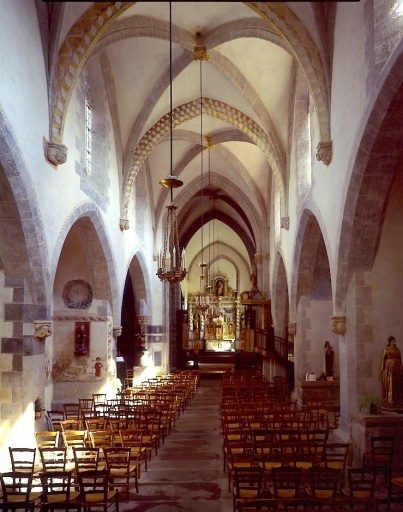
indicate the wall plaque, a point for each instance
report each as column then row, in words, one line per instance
column 77, row 294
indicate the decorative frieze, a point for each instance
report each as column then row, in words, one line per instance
column 77, row 318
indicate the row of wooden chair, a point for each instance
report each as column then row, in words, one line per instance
column 58, row 491
column 263, row 437
column 321, row 485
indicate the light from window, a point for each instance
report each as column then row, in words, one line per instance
column 277, row 216
column 397, row 8
column 88, row 136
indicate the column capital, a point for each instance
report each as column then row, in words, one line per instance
column 292, row 328
column 117, row 331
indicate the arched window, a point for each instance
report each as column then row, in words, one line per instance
column 303, row 136
column 277, row 216
column 88, row 134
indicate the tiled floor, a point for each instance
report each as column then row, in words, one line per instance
column 187, row 474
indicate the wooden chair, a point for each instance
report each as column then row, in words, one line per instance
column 71, row 424
column 128, row 381
column 101, row 439
column 86, row 406
column 235, row 436
column 53, row 459
column 87, row 458
column 286, row 482
column 116, row 424
column 71, row 411
column 395, row 490
column 360, row 490
column 133, row 438
column 150, row 434
column 122, row 469
column 247, row 484
column 240, row 455
column 22, row 459
column 323, row 485
column 74, row 439
column 99, row 404
column 95, row 491
column 17, row 491
column 290, row 444
column 335, row 456
column 380, row 457
column 312, row 448
column 47, row 439
column 58, row 490
column 55, row 416
column 96, row 423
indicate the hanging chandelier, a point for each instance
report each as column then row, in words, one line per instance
column 171, row 260
column 202, row 300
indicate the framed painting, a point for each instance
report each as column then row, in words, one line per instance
column 82, row 339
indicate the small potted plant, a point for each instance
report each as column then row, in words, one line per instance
column 371, row 403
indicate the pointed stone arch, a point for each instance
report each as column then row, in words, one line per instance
column 28, row 248
column 88, row 30
column 87, row 219
column 377, row 156
column 183, row 113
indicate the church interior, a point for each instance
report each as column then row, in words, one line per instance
column 232, row 178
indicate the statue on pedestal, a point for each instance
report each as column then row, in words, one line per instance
column 392, row 375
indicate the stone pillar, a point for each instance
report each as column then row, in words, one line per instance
column 262, row 267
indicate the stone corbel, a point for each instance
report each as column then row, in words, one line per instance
column 43, row 328
column 339, row 324
column 324, row 151
column 124, row 224
column 285, row 223
column 292, row 328
column 55, row 153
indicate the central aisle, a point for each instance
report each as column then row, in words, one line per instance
column 187, row 474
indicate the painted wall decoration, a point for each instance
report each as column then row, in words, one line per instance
column 87, row 369
column 82, row 339
column 83, row 348
column 77, row 294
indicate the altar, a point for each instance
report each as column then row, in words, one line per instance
column 220, row 345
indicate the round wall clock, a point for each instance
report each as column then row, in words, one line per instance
column 77, row 294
